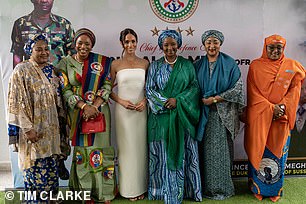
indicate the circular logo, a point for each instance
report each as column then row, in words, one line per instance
column 174, row 11
column 96, row 66
column 269, row 171
column 89, row 96
column 109, row 172
column 79, row 157
column 95, row 158
column 9, row 195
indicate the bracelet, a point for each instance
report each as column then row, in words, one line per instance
column 214, row 100
column 82, row 107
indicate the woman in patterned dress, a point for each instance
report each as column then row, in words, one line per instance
column 222, row 101
column 86, row 82
column 173, row 95
column 34, row 107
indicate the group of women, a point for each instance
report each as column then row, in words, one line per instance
column 182, row 146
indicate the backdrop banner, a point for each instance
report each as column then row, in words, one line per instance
column 244, row 24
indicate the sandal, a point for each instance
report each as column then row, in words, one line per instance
column 133, row 199
column 274, row 198
column 141, row 197
column 258, row 196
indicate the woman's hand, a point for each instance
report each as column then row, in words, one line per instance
column 127, row 104
column 211, row 100
column 279, row 111
column 170, row 103
column 208, row 101
column 141, row 105
column 90, row 112
column 219, row 99
column 31, row 136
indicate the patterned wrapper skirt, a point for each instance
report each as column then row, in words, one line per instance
column 216, row 155
column 174, row 185
column 268, row 181
column 43, row 176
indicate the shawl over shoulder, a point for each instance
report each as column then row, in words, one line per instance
column 171, row 126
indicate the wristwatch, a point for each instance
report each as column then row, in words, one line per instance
column 214, row 100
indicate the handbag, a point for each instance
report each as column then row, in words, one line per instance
column 98, row 124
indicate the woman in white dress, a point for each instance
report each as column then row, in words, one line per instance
column 131, row 118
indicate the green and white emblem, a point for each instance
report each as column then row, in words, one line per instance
column 174, row 11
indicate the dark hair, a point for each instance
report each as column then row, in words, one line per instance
column 124, row 33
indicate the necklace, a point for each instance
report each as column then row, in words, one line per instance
column 77, row 59
column 171, row 63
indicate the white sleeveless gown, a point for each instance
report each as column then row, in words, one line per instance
column 131, row 130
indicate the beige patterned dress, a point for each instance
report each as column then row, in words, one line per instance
column 32, row 105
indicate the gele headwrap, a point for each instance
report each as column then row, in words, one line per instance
column 85, row 31
column 28, row 46
column 170, row 33
column 213, row 33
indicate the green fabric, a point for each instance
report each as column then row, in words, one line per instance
column 84, row 177
column 70, row 72
column 172, row 125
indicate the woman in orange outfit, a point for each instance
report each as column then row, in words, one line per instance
column 273, row 88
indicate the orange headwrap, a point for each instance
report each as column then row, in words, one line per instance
column 273, row 39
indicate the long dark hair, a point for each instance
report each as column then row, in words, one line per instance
column 124, row 33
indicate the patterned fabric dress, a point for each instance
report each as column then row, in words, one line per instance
column 172, row 181
column 219, row 123
column 216, row 156
column 268, row 180
column 43, row 176
column 39, row 108
column 93, row 157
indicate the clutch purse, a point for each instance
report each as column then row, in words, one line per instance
column 95, row 125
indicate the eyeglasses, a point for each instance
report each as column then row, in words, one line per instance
column 273, row 47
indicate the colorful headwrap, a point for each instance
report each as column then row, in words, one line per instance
column 85, row 31
column 213, row 33
column 170, row 33
column 28, row 46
